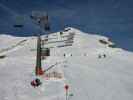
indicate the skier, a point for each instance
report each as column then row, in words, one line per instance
column 99, row 56
column 104, row 55
column 36, row 82
column 85, row 54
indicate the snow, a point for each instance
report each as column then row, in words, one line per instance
column 89, row 77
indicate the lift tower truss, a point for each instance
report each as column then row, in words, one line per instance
column 38, row 70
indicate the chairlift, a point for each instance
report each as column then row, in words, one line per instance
column 19, row 22
column 18, row 25
column 41, row 19
column 67, row 29
column 45, row 52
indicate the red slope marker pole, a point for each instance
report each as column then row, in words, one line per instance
column 66, row 90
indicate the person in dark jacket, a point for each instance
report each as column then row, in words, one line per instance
column 36, row 82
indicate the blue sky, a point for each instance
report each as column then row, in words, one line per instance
column 113, row 18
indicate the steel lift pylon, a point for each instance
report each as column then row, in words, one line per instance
column 38, row 69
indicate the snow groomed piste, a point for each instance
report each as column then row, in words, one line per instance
column 83, row 68
column 43, row 53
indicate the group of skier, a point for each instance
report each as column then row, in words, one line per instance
column 102, row 56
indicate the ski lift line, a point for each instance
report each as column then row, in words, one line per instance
column 56, row 38
column 50, row 38
column 56, row 41
column 67, row 35
column 69, row 41
column 63, row 45
column 66, row 40
column 41, row 20
column 9, row 10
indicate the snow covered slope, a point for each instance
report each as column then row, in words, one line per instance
column 93, row 70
